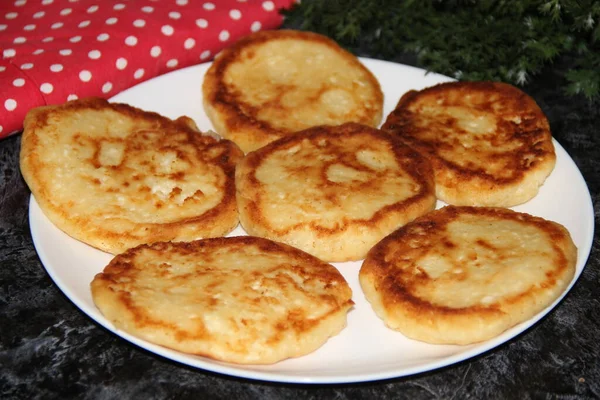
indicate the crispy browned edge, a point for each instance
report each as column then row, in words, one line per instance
column 378, row 268
column 240, row 118
column 535, row 131
column 416, row 165
column 124, row 265
column 34, row 124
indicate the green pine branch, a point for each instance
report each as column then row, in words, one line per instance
column 505, row 40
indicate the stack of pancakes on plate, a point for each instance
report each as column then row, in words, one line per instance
column 305, row 169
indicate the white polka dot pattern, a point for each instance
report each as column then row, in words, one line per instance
column 85, row 75
column 131, row 40
column 121, row 63
column 55, row 51
column 107, row 87
column 46, row 88
column 10, row 104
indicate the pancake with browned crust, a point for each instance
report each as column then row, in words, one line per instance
column 461, row 275
column 489, row 143
column 270, row 84
column 333, row 191
column 239, row 299
column 114, row 176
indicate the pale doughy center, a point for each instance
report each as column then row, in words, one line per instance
column 311, row 182
column 488, row 262
column 223, row 293
column 307, row 86
column 111, row 161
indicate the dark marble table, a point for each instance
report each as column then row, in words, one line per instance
column 49, row 349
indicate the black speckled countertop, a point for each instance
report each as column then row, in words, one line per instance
column 49, row 349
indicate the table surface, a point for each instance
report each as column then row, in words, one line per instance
column 50, row 349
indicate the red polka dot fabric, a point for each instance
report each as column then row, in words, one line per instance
column 59, row 50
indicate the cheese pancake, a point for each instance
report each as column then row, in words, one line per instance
column 461, row 275
column 270, row 84
column 239, row 299
column 333, row 191
column 489, row 143
column 114, row 176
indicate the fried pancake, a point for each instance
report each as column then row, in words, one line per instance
column 114, row 176
column 272, row 83
column 239, row 299
column 489, row 143
column 333, row 191
column 461, row 275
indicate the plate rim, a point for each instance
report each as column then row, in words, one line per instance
column 271, row 376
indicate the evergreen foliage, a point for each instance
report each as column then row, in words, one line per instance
column 506, row 40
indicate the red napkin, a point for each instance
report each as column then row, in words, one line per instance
column 58, row 50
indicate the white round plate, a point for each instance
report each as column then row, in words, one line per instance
column 365, row 350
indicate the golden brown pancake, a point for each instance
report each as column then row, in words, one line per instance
column 333, row 191
column 461, row 275
column 114, row 176
column 273, row 83
column 240, row 299
column 489, row 143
